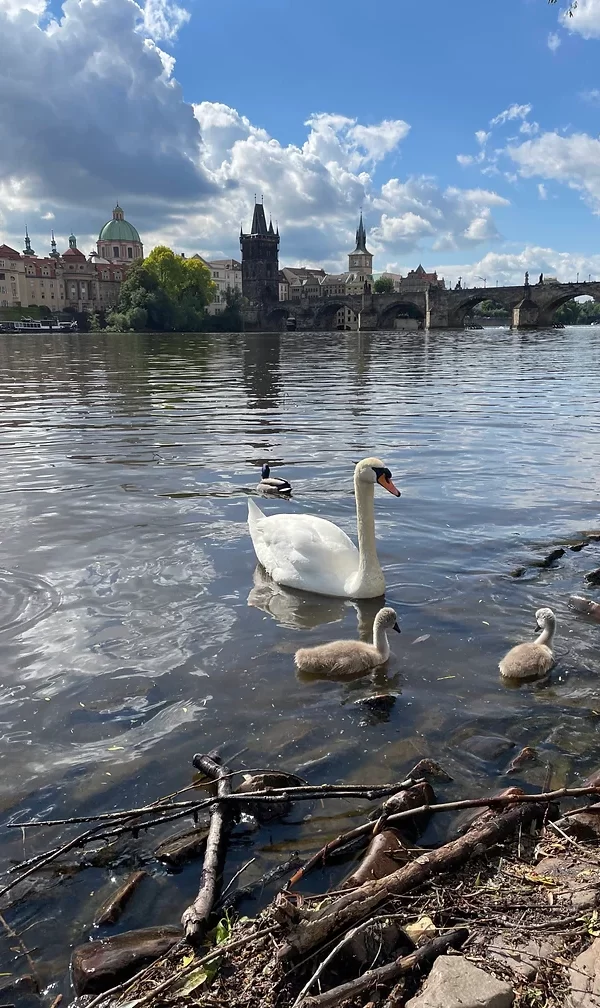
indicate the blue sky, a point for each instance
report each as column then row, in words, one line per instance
column 467, row 130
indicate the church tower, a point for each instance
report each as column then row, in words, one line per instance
column 260, row 260
column 360, row 261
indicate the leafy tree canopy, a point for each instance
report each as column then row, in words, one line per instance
column 384, row 285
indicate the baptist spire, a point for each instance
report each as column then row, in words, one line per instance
column 361, row 236
column 28, row 249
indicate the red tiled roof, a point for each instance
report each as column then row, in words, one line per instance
column 73, row 252
column 8, row 253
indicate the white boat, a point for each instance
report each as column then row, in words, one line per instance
column 38, row 326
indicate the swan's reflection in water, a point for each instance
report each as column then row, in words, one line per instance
column 305, row 610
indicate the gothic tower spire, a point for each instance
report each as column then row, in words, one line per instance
column 53, row 254
column 28, row 249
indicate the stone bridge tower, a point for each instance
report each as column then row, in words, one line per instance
column 260, row 260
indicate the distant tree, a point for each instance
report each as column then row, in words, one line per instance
column 568, row 313
column 231, row 318
column 384, row 285
column 489, row 307
column 180, row 278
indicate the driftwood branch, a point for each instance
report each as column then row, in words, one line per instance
column 493, row 801
column 349, row 909
column 195, row 918
column 384, row 974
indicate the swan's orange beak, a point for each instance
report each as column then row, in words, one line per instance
column 388, row 485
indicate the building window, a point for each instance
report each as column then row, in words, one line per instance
column 130, row 253
column 115, row 251
column 117, row 276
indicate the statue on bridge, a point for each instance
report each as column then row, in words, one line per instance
column 458, row 284
column 541, row 280
column 526, row 278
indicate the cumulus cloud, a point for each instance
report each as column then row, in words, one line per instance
column 90, row 112
column 509, row 267
column 574, row 160
column 542, row 191
column 584, row 18
column 186, row 175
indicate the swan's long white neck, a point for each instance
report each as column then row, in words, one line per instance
column 547, row 633
column 380, row 640
column 369, row 577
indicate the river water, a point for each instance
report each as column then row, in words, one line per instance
column 135, row 630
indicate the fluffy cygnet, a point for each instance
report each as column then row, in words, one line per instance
column 532, row 661
column 345, row 657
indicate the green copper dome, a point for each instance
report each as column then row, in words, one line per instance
column 118, row 229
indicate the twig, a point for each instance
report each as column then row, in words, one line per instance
column 82, row 838
column 337, row 948
column 348, row 910
column 214, row 954
column 24, row 950
column 237, row 875
column 247, row 892
column 301, row 792
column 389, row 972
column 584, row 850
column 195, row 918
column 491, row 801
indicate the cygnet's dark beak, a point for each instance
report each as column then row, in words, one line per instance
column 396, row 627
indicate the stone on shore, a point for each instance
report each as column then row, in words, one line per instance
column 98, row 965
column 585, row 978
column 454, row 982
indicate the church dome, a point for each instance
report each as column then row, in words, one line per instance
column 118, row 229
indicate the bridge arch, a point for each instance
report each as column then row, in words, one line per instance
column 547, row 315
column 325, row 314
column 276, row 319
column 456, row 318
column 402, row 308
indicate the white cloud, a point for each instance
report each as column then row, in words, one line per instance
column 482, row 137
column 583, row 18
column 465, row 159
column 529, row 128
column 554, row 41
column 187, row 175
column 592, row 96
column 574, row 160
column 512, row 112
column 163, row 20
column 509, row 267
column 542, row 191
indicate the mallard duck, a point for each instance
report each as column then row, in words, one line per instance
column 272, row 484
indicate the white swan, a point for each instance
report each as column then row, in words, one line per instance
column 348, row 657
column 273, row 484
column 313, row 554
column 529, row 661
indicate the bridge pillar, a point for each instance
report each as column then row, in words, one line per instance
column 436, row 308
column 525, row 313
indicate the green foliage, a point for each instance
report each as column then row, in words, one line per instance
column 490, row 307
column 230, row 319
column 578, row 313
column 384, row 285
column 94, row 322
column 187, row 279
column 163, row 293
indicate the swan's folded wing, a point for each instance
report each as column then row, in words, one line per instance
column 297, row 547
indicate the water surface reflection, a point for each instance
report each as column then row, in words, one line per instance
column 136, row 629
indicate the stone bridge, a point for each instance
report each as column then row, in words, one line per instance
column 532, row 305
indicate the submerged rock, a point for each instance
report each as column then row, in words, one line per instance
column 454, row 982
column 488, row 747
column 98, row 965
column 593, row 577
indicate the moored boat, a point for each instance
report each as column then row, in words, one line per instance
column 26, row 325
